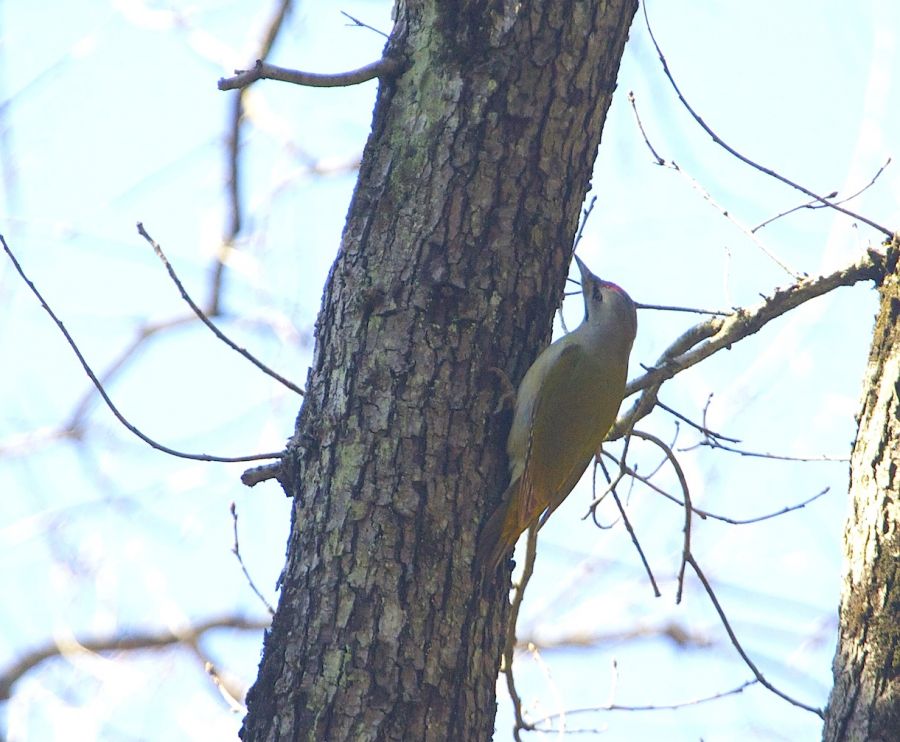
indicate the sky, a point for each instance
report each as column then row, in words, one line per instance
column 111, row 117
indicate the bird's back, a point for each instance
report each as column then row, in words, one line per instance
column 586, row 391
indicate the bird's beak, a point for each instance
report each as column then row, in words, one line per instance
column 586, row 274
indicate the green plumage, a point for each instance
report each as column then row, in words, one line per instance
column 565, row 406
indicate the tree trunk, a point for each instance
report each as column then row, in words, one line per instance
column 452, row 261
column 865, row 700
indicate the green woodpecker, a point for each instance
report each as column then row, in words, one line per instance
column 564, row 408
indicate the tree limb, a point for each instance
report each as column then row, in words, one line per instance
column 127, row 642
column 709, row 337
column 386, row 67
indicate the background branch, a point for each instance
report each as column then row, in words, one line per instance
column 127, row 642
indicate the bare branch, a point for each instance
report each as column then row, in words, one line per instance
column 144, row 333
column 611, row 483
column 206, row 321
column 611, row 489
column 747, row 160
column 637, row 544
column 737, row 645
column 704, row 514
column 759, row 518
column 665, row 459
column 691, row 310
column 640, row 124
column 764, row 455
column 387, row 67
column 510, row 645
column 234, row 215
column 702, row 428
column 585, row 215
column 255, row 475
column 270, row 34
column 862, row 190
column 535, row 653
column 128, row 642
column 360, row 24
column 709, row 337
column 678, row 634
column 688, row 506
column 236, row 550
column 659, row 490
column 815, row 204
column 109, row 403
column 711, row 439
column 707, row 196
column 649, row 707
column 228, row 694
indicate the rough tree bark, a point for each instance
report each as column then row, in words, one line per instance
column 865, row 699
column 452, row 261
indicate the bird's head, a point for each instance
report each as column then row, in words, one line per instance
column 607, row 305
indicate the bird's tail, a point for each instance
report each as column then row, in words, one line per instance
column 499, row 534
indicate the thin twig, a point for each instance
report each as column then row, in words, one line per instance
column 598, row 463
column 656, row 488
column 664, row 460
column 704, row 514
column 759, row 518
column 234, row 214
column 611, row 489
column 707, row 196
column 360, row 24
column 585, row 215
column 637, row 117
column 510, row 645
column 702, row 428
column 227, row 693
column 812, row 204
column 637, row 544
column 692, row 310
column 862, row 190
column 709, row 337
column 815, row 204
column 124, row 642
column 747, row 160
column 712, row 439
column 763, row 455
column 613, row 681
column 651, row 707
column 144, row 333
column 554, row 688
column 737, row 645
column 688, row 506
column 109, row 403
column 230, row 692
column 274, row 27
column 387, row 67
column 236, row 550
column 680, row 636
column 206, row 321
column 611, row 484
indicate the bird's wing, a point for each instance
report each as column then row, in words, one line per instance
column 559, row 433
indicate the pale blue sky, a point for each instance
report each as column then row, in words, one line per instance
column 113, row 117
